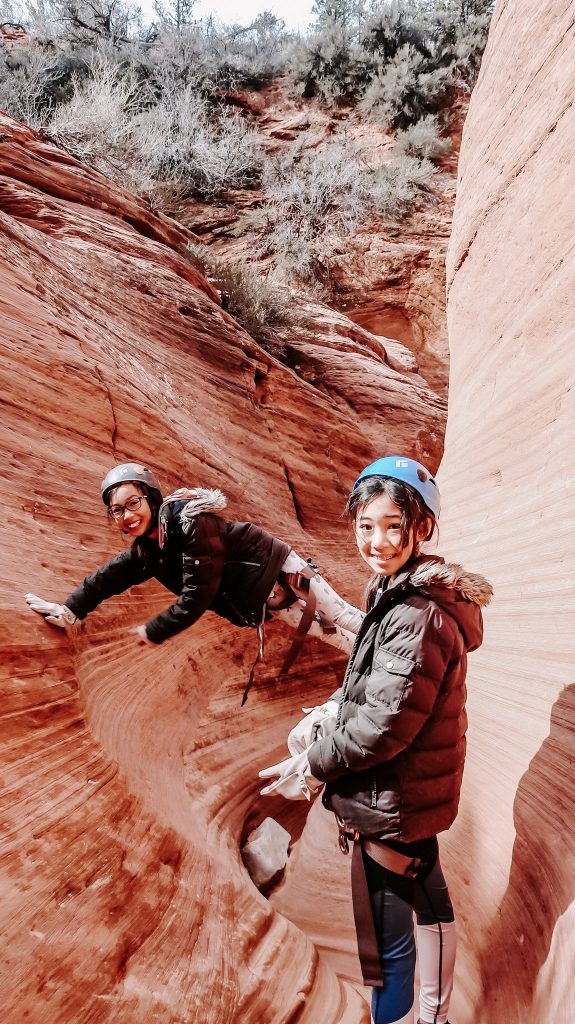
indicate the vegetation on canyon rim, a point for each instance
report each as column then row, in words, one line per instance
column 152, row 107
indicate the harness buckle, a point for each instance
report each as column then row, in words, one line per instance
column 345, row 834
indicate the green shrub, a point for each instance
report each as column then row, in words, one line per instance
column 404, row 57
column 329, row 64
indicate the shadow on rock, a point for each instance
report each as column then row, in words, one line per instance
column 542, row 878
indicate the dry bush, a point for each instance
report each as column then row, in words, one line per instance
column 423, row 140
column 115, row 123
column 310, row 197
column 316, row 199
column 95, row 124
column 263, row 305
column 397, row 186
column 26, row 78
column 202, row 151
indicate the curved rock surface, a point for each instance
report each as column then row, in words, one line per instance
column 129, row 775
column 509, row 511
column 509, row 499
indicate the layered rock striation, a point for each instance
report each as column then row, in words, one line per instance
column 509, row 498
column 129, row 775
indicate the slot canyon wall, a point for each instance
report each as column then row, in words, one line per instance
column 509, row 488
column 128, row 775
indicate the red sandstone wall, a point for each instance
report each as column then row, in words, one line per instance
column 127, row 775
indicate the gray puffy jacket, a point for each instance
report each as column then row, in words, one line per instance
column 394, row 764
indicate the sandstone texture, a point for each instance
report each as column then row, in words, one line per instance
column 509, row 489
column 129, row 775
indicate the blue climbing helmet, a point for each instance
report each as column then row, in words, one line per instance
column 409, row 472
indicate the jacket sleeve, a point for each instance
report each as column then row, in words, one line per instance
column 407, row 672
column 119, row 574
column 203, row 560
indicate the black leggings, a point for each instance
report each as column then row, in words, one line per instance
column 394, row 898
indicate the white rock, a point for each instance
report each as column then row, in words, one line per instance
column 265, row 852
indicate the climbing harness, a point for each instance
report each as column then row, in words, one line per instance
column 299, row 582
column 298, row 587
column 259, row 656
column 415, row 868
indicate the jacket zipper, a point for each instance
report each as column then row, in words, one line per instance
column 373, row 790
column 395, row 591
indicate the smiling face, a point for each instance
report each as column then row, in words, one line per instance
column 135, row 522
column 378, row 536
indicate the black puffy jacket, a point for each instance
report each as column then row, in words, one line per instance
column 394, row 764
column 209, row 562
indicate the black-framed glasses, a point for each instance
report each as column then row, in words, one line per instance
column 132, row 505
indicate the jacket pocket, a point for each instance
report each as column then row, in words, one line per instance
column 389, row 678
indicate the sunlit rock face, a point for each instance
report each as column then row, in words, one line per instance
column 129, row 775
column 509, row 488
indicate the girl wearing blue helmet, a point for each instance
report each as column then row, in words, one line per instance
column 389, row 745
column 237, row 570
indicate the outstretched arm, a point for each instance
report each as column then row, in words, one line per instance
column 117, row 575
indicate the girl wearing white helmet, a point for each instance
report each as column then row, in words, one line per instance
column 234, row 569
column 390, row 744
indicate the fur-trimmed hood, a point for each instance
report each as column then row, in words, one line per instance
column 461, row 593
column 186, row 503
column 434, row 570
column 202, row 499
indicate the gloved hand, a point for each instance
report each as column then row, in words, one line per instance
column 319, row 721
column 143, row 636
column 294, row 781
column 56, row 614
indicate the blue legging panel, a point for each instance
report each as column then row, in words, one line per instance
column 394, row 899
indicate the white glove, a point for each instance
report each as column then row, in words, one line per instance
column 143, row 636
column 56, row 614
column 319, row 721
column 294, row 782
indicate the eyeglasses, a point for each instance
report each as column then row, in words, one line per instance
column 132, row 505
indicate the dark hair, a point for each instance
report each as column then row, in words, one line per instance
column 153, row 496
column 414, row 514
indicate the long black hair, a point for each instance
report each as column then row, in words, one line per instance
column 414, row 515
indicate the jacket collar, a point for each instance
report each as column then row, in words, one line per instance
column 433, row 571
column 187, row 503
